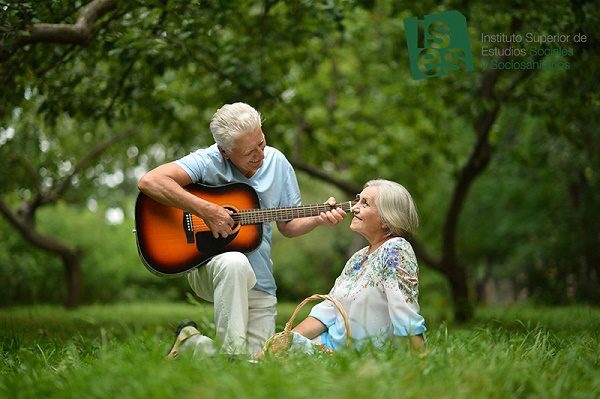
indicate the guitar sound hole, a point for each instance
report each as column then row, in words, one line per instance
column 206, row 243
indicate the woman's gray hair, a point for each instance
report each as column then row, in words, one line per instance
column 232, row 120
column 396, row 207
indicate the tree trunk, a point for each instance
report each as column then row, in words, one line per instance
column 448, row 263
column 70, row 257
column 463, row 305
column 72, row 263
column 23, row 220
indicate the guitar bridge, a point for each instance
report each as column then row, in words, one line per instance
column 188, row 227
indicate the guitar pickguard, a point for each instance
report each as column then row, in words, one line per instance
column 209, row 245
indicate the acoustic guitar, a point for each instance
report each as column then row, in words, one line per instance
column 171, row 241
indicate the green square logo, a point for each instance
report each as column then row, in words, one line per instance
column 437, row 44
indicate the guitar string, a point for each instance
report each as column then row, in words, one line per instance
column 253, row 216
column 293, row 211
column 299, row 208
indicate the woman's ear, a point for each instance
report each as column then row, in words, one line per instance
column 387, row 229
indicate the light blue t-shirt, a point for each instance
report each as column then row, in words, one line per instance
column 275, row 183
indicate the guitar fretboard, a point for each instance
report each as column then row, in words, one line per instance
column 254, row 216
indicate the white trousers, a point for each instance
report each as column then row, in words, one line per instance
column 244, row 317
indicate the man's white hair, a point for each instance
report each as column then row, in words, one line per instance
column 231, row 121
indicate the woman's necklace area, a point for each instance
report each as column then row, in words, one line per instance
column 378, row 244
column 363, row 258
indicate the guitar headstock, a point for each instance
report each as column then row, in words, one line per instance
column 346, row 205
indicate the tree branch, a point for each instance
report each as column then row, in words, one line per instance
column 56, row 192
column 425, row 256
column 481, row 154
column 80, row 33
column 526, row 73
column 30, row 234
column 476, row 164
column 348, row 187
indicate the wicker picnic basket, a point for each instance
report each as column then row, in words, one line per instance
column 285, row 335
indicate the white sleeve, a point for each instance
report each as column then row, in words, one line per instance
column 325, row 312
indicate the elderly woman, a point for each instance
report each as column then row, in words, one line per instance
column 379, row 285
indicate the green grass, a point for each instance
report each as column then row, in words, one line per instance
column 118, row 351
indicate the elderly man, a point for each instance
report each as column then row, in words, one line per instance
column 241, row 286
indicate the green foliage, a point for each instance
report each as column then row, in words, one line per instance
column 332, row 80
column 119, row 350
column 543, row 215
column 28, row 275
column 112, row 270
column 309, row 264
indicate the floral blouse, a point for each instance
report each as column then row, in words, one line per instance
column 379, row 293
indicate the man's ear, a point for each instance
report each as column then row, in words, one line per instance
column 223, row 152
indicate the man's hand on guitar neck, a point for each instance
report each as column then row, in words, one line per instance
column 220, row 223
column 298, row 227
column 332, row 217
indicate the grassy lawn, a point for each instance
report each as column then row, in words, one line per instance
column 118, row 351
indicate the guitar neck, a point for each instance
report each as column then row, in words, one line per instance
column 254, row 216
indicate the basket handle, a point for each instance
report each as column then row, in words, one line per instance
column 316, row 297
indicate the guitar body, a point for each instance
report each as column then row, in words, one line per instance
column 171, row 241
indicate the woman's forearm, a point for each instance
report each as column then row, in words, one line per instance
column 310, row 327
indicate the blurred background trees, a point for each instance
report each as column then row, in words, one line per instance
column 503, row 164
